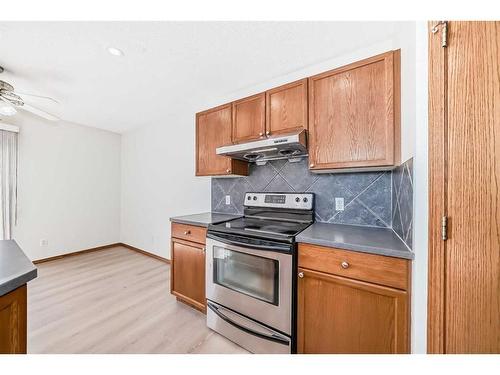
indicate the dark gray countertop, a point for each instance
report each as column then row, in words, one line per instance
column 15, row 267
column 381, row 241
column 203, row 219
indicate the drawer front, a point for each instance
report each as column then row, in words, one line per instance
column 376, row 269
column 189, row 232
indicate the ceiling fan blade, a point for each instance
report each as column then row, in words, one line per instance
column 39, row 112
column 37, row 96
column 6, row 86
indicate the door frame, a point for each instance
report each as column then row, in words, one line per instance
column 438, row 140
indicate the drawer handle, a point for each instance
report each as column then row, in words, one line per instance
column 344, row 265
column 187, row 232
column 301, row 275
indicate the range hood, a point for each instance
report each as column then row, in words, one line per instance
column 291, row 146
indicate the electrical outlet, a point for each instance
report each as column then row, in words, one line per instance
column 44, row 242
column 228, row 199
column 339, row 204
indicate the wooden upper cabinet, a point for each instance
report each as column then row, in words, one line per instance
column 354, row 118
column 286, row 108
column 249, row 118
column 352, row 115
column 213, row 129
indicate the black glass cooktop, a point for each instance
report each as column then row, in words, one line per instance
column 261, row 227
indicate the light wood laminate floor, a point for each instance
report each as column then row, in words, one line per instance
column 114, row 301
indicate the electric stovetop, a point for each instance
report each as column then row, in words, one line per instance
column 250, row 225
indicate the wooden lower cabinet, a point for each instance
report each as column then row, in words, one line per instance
column 347, row 302
column 340, row 315
column 187, row 280
column 13, row 320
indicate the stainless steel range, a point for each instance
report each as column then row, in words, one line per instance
column 251, row 263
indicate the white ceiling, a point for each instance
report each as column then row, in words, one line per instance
column 168, row 66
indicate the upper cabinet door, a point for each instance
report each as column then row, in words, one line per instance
column 249, row 118
column 213, row 129
column 286, row 108
column 354, row 115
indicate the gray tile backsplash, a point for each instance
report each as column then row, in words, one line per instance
column 370, row 198
column 402, row 202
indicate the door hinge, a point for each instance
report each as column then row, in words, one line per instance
column 444, row 228
column 444, row 32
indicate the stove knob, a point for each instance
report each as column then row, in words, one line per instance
column 297, row 199
column 305, row 200
column 249, row 197
column 254, row 197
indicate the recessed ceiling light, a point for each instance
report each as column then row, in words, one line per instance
column 115, row 51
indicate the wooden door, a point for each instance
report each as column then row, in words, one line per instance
column 340, row 315
column 188, row 272
column 354, row 115
column 286, row 108
column 249, row 118
column 13, row 318
column 464, row 166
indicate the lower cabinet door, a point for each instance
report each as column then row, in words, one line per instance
column 13, row 333
column 341, row 315
column 188, row 273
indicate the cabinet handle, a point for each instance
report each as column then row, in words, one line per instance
column 268, row 132
column 301, row 275
column 311, row 165
column 204, row 249
column 228, row 171
column 261, row 134
column 344, row 265
column 187, row 232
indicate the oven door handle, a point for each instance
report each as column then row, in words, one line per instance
column 284, row 248
column 272, row 337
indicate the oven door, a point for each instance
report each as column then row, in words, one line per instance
column 255, row 282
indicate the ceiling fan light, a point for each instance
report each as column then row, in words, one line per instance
column 7, row 110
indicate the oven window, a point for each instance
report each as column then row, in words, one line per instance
column 252, row 275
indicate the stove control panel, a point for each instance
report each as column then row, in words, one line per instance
column 301, row 201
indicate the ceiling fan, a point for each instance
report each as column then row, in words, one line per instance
column 11, row 100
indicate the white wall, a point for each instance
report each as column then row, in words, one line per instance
column 420, row 202
column 158, row 167
column 68, row 187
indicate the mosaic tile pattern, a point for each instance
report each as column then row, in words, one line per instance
column 402, row 202
column 367, row 195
